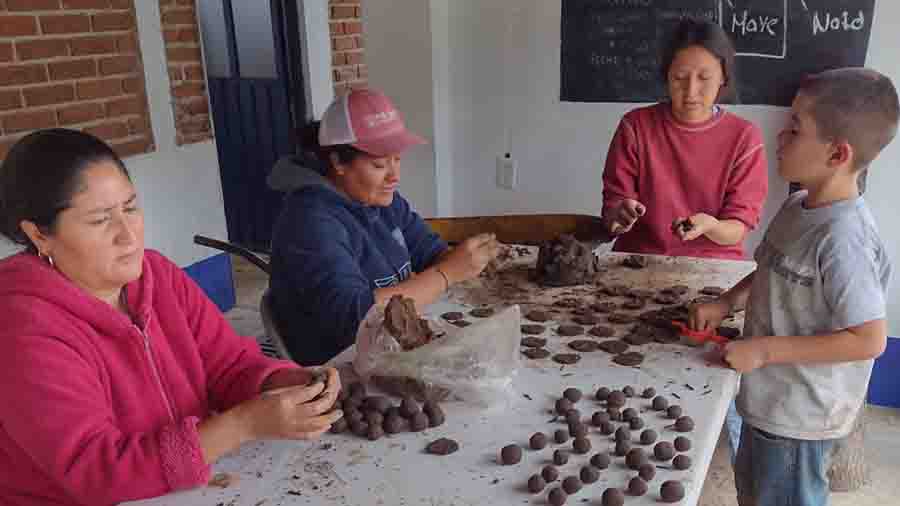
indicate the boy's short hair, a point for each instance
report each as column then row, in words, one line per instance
column 856, row 105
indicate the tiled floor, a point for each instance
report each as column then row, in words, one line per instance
column 882, row 446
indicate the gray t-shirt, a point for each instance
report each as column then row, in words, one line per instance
column 819, row 271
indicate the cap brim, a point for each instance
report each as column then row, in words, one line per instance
column 390, row 145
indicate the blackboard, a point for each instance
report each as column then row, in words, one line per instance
column 610, row 50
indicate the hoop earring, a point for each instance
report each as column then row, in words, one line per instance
column 48, row 257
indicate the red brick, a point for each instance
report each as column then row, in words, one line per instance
column 363, row 71
column 188, row 89
column 11, row 75
column 66, row 23
column 355, row 58
column 351, row 27
column 358, row 42
column 6, row 51
column 125, row 105
column 336, row 27
column 185, row 2
column 17, row 26
column 118, row 65
column 342, row 43
column 41, row 48
column 10, row 99
column 127, row 43
column 338, row 59
column 197, row 106
column 133, row 84
column 179, row 17
column 132, row 148
column 121, row 4
column 73, row 69
column 194, row 73
column 28, row 120
column 80, row 113
column 182, row 140
column 344, row 74
column 85, row 4
column 175, row 74
column 32, row 5
column 93, row 45
column 184, row 54
column 109, row 131
column 87, row 90
column 194, row 125
column 112, row 21
column 49, row 95
column 138, row 125
column 343, row 11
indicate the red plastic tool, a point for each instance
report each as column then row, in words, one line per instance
column 700, row 336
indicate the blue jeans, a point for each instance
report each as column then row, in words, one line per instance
column 778, row 471
column 733, row 423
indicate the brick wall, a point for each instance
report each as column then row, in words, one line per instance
column 347, row 47
column 185, row 62
column 73, row 64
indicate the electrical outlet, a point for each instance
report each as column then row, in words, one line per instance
column 506, row 172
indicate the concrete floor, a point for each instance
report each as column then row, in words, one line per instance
column 882, row 445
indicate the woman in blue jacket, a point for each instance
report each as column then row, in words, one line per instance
column 346, row 239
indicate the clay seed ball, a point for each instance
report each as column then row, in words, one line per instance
column 354, row 416
column 511, row 454
column 339, row 426
column 573, row 415
column 436, row 417
column 571, row 485
column 607, row 428
column 581, row 445
column 536, row 484
column 599, row 417
column 622, row 448
column 628, row 391
column 375, row 432
column 560, row 457
column 600, row 460
column 589, row 474
column 682, row 444
column 628, row 414
column 538, row 441
column 664, row 450
column 563, row 406
column 557, row 497
column 374, row 418
column 649, row 393
column 674, row 412
column 614, row 414
column 616, row 399
column 636, row 423
column 613, row 497
column 393, row 424
column 393, row 411
column 602, row 394
column 623, row 434
column 430, row 407
column 561, row 436
column 635, row 458
column 357, row 389
column 681, row 462
column 418, row 422
column 671, row 491
column 660, row 403
column 648, row 437
column 647, row 471
column 573, row 394
column 409, row 407
column 360, row 428
column 549, row 473
column 377, row 403
column 684, row 424
column 578, row 430
column 637, row 486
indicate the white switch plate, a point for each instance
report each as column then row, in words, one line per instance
column 506, row 172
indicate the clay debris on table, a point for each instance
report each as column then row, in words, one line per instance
column 565, row 262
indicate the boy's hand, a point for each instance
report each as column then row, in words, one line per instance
column 701, row 223
column 745, row 355
column 708, row 316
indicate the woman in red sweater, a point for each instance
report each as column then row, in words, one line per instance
column 687, row 160
column 114, row 360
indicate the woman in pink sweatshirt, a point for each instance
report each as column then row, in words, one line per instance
column 114, row 361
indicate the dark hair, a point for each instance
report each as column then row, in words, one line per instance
column 856, row 105
column 41, row 174
column 309, row 142
column 709, row 36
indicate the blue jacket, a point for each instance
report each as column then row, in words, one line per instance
column 330, row 253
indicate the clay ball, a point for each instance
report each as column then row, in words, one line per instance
column 599, row 417
column 578, row 430
column 571, row 484
column 573, row 394
column 377, row 403
column 674, row 412
column 636, row 423
column 561, row 436
column 664, row 450
column 671, row 491
column 600, row 460
column 616, row 399
column 635, row 458
column 393, row 424
column 684, row 424
column 393, row 411
column 589, row 474
column 602, row 394
column 581, row 445
column 682, row 444
column 637, row 486
column 339, row 426
column 536, row 484
column 647, row 471
column 660, row 403
column 649, row 393
column 613, row 497
column 409, row 408
column 573, row 415
column 353, row 415
column 375, row 432
column 622, row 447
column 560, row 457
column 607, row 428
column 563, row 406
column 360, row 428
column 628, row 414
column 549, row 473
column 357, row 389
column 511, row 454
column 628, row 391
column 418, row 422
column 374, row 418
column 614, row 414
column 681, row 462
column 538, row 441
column 557, row 497
column 623, row 434
column 648, row 437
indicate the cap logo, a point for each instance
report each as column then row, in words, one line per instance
column 380, row 118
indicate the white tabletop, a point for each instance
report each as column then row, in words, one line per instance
column 347, row 470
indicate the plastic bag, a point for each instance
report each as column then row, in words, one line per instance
column 474, row 364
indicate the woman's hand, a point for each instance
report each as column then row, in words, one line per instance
column 469, row 258
column 709, row 315
column 622, row 218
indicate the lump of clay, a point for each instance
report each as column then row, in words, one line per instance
column 339, row 426
column 649, row 393
column 538, row 441
column 613, row 497
column 578, row 429
column 664, row 450
column 443, row 446
column 635, row 458
column 682, row 444
column 419, row 422
column 560, row 457
column 600, row 460
column 375, row 432
column 602, row 394
column 511, row 454
column 589, row 474
column 532, row 329
column 571, row 485
column 615, row 414
column 563, row 406
column 536, row 484
column 684, row 424
column 402, row 322
column 616, row 399
column 550, row 473
column 482, row 312
column 377, row 403
column 573, row 416
column 536, row 315
column 629, row 359
column 647, row 471
column 636, row 423
column 536, row 353
column 565, row 262
column 637, row 486
column 573, row 394
column 566, row 358
column 623, row 434
column 599, row 417
column 635, row 261
column 660, row 403
column 628, row 414
column 648, row 437
column 671, row 491
column 681, row 462
column 581, row 445
column 534, row 342
column 674, row 412
column 607, row 428
column 557, row 497
column 394, row 424
column 435, row 413
column 452, row 316
column 622, row 448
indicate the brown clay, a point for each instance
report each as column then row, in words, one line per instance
column 584, row 345
column 536, row 484
column 443, row 446
column 550, row 473
column 532, row 329
column 452, row 316
column 600, row 460
column 565, row 261
column 569, row 330
column 534, row 342
column 637, row 486
column 538, row 441
column 614, row 346
column 601, row 331
column 566, row 358
column 536, row 353
column 629, row 359
column 537, row 315
column 671, row 491
column 511, row 454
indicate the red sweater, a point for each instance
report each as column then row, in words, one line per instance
column 97, row 410
column 676, row 169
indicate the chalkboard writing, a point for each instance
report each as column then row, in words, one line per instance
column 610, row 48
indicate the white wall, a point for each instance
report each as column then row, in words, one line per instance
column 179, row 186
column 495, row 71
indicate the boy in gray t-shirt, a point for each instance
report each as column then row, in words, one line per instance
column 816, row 302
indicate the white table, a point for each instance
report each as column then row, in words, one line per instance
column 347, row 470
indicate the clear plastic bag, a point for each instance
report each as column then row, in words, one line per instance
column 474, row 364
